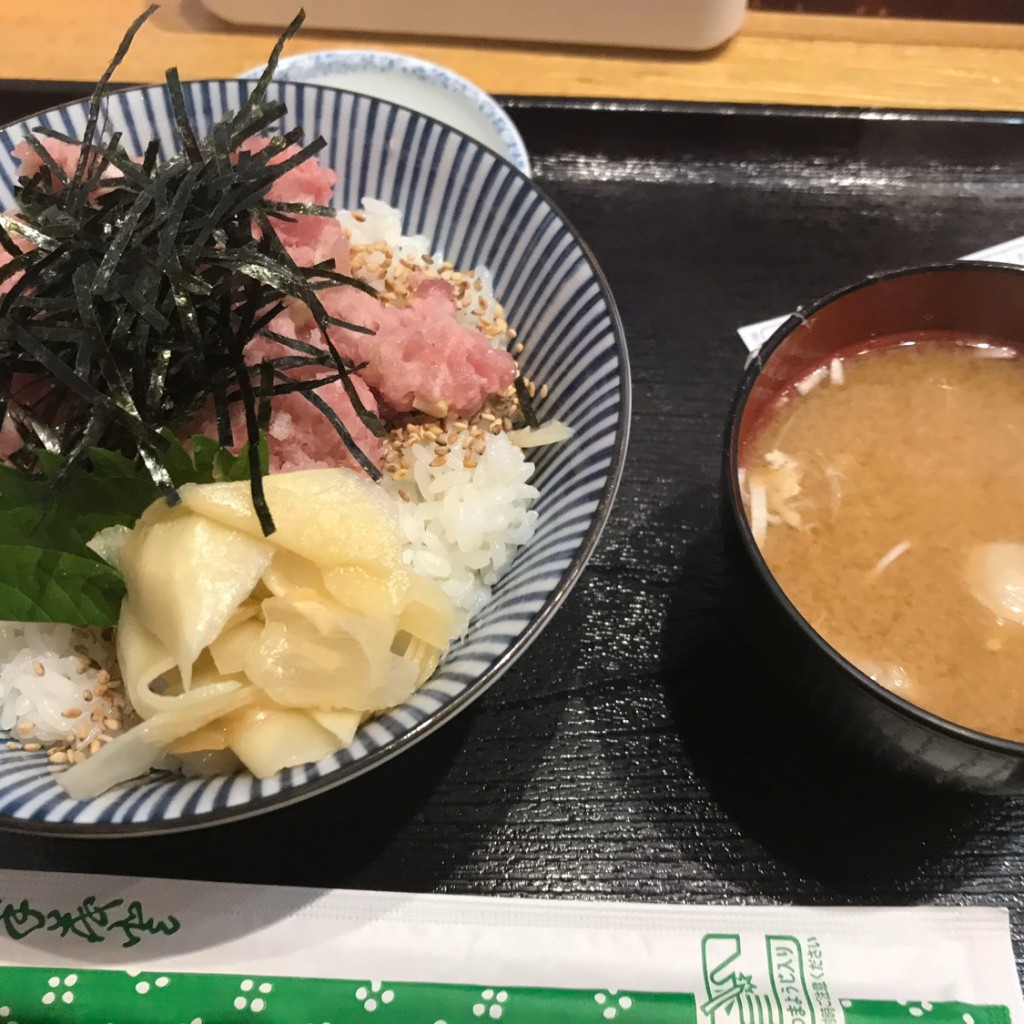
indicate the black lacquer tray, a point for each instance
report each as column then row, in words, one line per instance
column 637, row 752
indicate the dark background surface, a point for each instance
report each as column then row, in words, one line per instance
column 637, row 752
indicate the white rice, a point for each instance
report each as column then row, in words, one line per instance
column 40, row 680
column 462, row 527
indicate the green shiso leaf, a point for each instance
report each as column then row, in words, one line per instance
column 41, row 585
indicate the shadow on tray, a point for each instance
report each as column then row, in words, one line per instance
column 329, row 840
column 856, row 827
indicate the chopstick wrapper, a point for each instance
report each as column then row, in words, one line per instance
column 92, row 949
column 755, row 335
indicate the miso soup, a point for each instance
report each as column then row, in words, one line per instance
column 886, row 493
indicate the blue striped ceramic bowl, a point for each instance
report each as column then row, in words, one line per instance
column 480, row 211
column 428, row 88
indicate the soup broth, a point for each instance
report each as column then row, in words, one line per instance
column 886, row 494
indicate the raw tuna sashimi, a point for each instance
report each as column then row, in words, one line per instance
column 420, row 357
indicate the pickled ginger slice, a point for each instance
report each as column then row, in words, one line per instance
column 142, row 659
column 137, row 750
column 267, row 739
column 367, row 593
column 311, row 654
column 428, row 613
column 186, row 576
column 330, row 516
column 289, row 571
column 230, row 650
column 342, row 723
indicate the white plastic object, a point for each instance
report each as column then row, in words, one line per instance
column 658, row 24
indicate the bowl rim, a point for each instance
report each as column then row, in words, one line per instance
column 517, row 154
column 568, row 579
column 752, row 372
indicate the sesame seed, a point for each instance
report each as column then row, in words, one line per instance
column 439, row 461
column 517, row 349
column 13, row 746
column 358, row 216
column 390, row 467
column 103, row 676
column 83, row 667
column 72, row 712
column 76, row 756
column 401, row 475
column 469, row 463
column 102, row 688
column 104, row 738
column 496, row 427
column 403, row 496
column 544, row 392
column 33, row 747
column 37, row 667
column 95, row 746
column 83, row 730
column 111, row 724
column 58, row 757
column 25, row 728
column 478, row 285
column 442, row 449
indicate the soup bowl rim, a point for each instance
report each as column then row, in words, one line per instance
column 752, row 372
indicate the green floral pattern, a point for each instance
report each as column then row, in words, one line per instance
column 30, row 995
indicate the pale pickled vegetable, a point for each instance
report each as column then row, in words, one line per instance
column 365, row 592
column 232, row 647
column 186, row 576
column 135, row 752
column 343, row 724
column 330, row 516
column 267, row 739
column 311, row 654
column 308, row 631
column 552, row 432
column 108, row 543
column 428, row 615
column 143, row 659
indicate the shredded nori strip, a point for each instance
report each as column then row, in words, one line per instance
column 146, row 281
column 526, row 403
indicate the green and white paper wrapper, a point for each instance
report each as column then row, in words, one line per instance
column 105, row 950
column 754, row 336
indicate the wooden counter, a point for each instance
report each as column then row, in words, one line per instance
column 777, row 58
